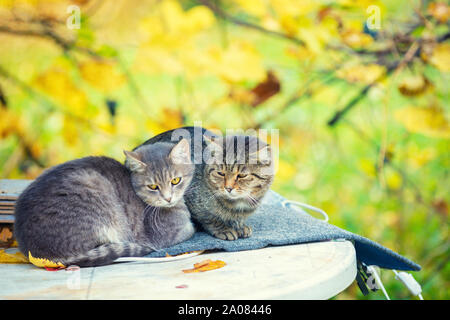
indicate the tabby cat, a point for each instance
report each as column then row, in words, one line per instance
column 91, row 211
column 229, row 187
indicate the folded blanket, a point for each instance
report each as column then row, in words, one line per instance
column 276, row 224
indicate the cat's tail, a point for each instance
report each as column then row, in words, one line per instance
column 107, row 253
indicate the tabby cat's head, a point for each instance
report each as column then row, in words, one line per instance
column 240, row 170
column 160, row 172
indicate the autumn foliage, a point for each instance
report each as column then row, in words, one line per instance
column 358, row 89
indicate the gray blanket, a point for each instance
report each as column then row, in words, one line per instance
column 275, row 224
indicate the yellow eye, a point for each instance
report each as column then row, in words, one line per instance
column 176, row 180
column 153, row 186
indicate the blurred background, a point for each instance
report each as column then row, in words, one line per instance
column 359, row 91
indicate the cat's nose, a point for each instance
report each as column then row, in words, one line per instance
column 168, row 199
column 229, row 189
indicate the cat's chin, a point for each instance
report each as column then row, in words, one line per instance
column 233, row 197
column 240, row 200
column 166, row 205
column 237, row 204
column 162, row 204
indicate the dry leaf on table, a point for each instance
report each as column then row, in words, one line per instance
column 205, row 265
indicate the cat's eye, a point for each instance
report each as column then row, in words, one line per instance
column 175, row 180
column 241, row 175
column 220, row 173
column 153, row 186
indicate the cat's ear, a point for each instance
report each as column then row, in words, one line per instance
column 181, row 153
column 262, row 156
column 133, row 162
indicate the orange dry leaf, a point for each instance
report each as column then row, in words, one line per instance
column 5, row 235
column 259, row 94
column 266, row 89
column 202, row 263
column 206, row 265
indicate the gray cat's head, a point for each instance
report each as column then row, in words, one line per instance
column 240, row 170
column 160, row 172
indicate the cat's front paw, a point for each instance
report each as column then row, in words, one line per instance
column 226, row 234
column 245, row 232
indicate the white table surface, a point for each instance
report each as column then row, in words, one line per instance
column 305, row 271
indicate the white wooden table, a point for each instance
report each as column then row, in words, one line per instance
column 305, row 271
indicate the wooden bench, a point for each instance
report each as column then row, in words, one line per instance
column 10, row 189
column 304, row 271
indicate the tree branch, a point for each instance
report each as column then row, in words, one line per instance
column 48, row 34
column 305, row 92
column 413, row 51
column 340, row 113
column 68, row 45
column 225, row 16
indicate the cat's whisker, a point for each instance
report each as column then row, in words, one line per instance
column 146, row 209
column 253, row 202
column 155, row 219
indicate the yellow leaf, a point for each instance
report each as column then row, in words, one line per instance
column 102, row 75
column 294, row 8
column 429, row 121
column 418, row 157
column 16, row 257
column 196, row 19
column 258, row 8
column 368, row 167
column 317, row 35
column 59, row 86
column 414, row 85
column 285, row 172
column 168, row 25
column 70, row 131
column 312, row 38
column 366, row 74
column 157, row 60
column 240, row 61
column 242, row 96
column 172, row 118
column 440, row 11
column 127, row 125
column 440, row 57
column 42, row 262
column 356, row 39
column 167, row 120
column 10, row 123
column 393, row 180
column 327, row 95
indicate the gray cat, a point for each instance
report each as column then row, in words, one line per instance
column 226, row 190
column 93, row 210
